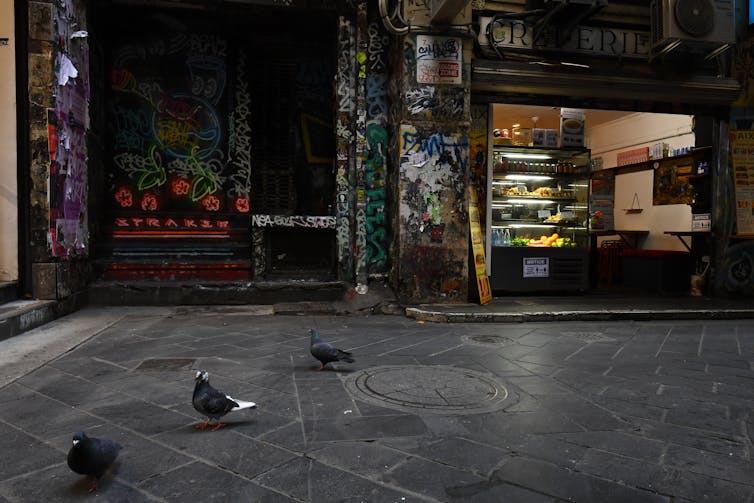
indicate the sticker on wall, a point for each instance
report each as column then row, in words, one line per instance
column 438, row 60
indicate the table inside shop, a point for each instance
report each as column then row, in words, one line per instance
column 629, row 236
column 681, row 235
column 605, row 263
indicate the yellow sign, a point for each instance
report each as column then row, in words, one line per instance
column 477, row 245
column 742, row 146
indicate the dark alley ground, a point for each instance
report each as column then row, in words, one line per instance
column 584, row 411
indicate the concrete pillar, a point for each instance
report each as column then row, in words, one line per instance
column 432, row 142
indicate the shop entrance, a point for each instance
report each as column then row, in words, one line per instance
column 215, row 120
column 599, row 200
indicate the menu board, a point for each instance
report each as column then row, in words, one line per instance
column 742, row 148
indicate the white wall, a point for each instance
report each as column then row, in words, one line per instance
column 8, row 189
column 635, row 131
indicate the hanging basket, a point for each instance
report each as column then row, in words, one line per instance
column 635, row 206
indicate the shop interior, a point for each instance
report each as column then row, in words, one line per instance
column 628, row 211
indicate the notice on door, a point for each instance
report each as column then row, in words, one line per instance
column 538, row 267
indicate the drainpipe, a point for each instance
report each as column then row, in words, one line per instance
column 23, row 173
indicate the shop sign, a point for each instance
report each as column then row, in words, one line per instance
column 438, row 60
column 477, row 245
column 514, row 34
column 538, row 267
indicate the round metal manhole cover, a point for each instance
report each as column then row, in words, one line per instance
column 435, row 389
column 487, row 339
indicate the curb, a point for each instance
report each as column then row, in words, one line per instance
column 429, row 315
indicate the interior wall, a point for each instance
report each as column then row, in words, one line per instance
column 635, row 131
column 8, row 159
column 638, row 130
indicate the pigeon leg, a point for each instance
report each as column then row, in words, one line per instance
column 218, row 426
column 202, row 426
column 92, row 486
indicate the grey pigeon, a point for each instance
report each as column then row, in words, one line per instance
column 92, row 456
column 325, row 352
column 212, row 403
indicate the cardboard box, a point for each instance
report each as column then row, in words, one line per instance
column 571, row 127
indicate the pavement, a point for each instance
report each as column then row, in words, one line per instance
column 548, row 410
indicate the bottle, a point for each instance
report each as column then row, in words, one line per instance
column 506, row 237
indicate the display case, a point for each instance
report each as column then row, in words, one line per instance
column 538, row 218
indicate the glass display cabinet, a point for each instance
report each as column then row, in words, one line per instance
column 538, row 218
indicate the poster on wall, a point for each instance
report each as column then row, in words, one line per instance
column 438, row 60
column 672, row 184
column 602, row 201
column 742, row 148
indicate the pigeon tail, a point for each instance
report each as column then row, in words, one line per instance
column 345, row 356
column 242, row 404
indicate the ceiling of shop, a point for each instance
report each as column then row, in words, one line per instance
column 505, row 116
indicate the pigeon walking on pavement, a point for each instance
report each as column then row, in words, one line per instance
column 212, row 403
column 325, row 352
column 92, row 456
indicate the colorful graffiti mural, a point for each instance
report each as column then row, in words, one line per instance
column 171, row 145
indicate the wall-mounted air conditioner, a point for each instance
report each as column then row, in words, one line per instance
column 692, row 22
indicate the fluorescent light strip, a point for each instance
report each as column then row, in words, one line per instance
column 526, row 156
column 527, row 177
column 530, row 201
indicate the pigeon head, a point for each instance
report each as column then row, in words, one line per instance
column 202, row 375
column 314, row 334
column 78, row 437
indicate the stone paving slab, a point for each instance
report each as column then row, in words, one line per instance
column 593, row 411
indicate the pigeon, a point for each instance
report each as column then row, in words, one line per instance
column 92, row 456
column 213, row 403
column 325, row 352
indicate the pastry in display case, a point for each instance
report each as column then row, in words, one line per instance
column 539, row 206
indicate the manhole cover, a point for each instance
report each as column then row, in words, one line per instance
column 166, row 364
column 428, row 388
column 589, row 336
column 487, row 340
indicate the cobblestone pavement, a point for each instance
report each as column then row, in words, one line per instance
column 614, row 411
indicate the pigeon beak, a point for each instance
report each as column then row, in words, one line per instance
column 75, row 442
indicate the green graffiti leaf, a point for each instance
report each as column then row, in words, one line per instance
column 150, row 179
column 201, row 187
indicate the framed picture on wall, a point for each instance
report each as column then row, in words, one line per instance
column 672, row 184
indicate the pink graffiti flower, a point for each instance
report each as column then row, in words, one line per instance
column 180, row 186
column 211, row 203
column 124, row 197
column 149, row 202
column 242, row 205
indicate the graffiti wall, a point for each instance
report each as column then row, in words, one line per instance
column 429, row 102
column 345, row 135
column 173, row 148
column 377, row 108
column 434, row 170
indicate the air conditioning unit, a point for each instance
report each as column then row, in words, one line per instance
column 692, row 22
